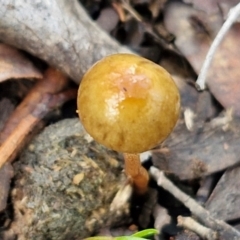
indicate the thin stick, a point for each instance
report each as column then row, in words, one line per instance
column 53, row 82
column 190, row 224
column 14, row 142
column 201, row 213
column 232, row 16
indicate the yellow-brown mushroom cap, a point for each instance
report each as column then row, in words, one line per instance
column 128, row 103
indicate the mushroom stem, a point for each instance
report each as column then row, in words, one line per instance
column 137, row 173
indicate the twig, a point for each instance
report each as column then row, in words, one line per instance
column 132, row 11
column 201, row 213
column 14, row 142
column 57, row 31
column 52, row 83
column 190, row 224
column 119, row 9
column 43, row 98
column 232, row 16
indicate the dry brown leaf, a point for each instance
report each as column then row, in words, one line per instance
column 13, row 64
column 194, row 31
column 213, row 6
column 201, row 152
column 224, row 75
column 226, row 194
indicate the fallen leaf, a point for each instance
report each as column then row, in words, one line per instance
column 227, row 194
column 13, row 64
column 213, row 6
column 193, row 30
column 200, row 152
column 224, row 76
column 199, row 31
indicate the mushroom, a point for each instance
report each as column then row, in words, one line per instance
column 129, row 104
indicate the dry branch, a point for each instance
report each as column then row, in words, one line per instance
column 191, row 224
column 46, row 95
column 57, row 31
column 224, row 230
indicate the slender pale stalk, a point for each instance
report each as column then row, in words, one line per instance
column 137, row 173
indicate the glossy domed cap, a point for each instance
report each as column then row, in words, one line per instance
column 128, row 103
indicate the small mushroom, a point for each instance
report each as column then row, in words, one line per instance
column 128, row 104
